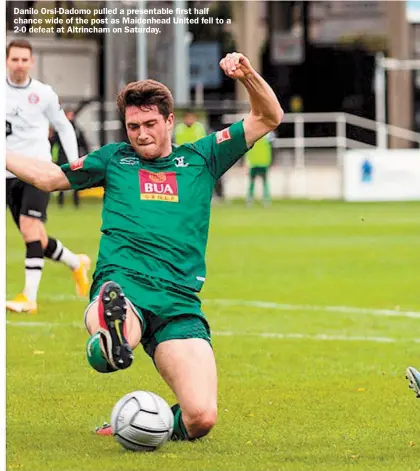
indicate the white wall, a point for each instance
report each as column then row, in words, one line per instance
column 391, row 175
column 323, row 182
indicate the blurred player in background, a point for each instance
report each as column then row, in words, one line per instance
column 59, row 154
column 30, row 107
column 156, row 214
column 190, row 130
column 413, row 377
column 259, row 160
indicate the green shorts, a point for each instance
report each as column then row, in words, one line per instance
column 166, row 311
column 258, row 171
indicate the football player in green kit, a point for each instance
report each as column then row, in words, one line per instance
column 155, row 222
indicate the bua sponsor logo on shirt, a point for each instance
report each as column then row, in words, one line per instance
column 160, row 186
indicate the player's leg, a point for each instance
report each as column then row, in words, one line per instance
column 413, row 377
column 251, row 187
column 76, row 198
column 115, row 328
column 78, row 263
column 29, row 226
column 36, row 202
column 60, row 198
column 189, row 368
column 266, row 186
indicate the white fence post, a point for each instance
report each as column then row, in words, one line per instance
column 341, row 147
column 299, row 141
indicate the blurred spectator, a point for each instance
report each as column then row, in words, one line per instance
column 60, row 158
column 258, row 160
column 190, row 130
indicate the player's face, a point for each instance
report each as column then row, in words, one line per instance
column 19, row 63
column 148, row 132
column 189, row 119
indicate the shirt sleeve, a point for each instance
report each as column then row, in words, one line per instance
column 56, row 116
column 88, row 171
column 222, row 148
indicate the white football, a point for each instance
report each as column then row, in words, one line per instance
column 142, row 421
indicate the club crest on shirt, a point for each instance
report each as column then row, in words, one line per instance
column 161, row 186
column 78, row 164
column 33, row 98
column 223, row 135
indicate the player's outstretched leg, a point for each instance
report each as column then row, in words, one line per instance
column 413, row 377
column 78, row 263
column 115, row 330
column 112, row 312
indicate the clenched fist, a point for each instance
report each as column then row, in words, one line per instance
column 236, row 66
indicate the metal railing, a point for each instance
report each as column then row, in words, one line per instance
column 340, row 141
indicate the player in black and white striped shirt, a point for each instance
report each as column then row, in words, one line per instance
column 31, row 106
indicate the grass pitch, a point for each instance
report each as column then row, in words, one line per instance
column 308, row 304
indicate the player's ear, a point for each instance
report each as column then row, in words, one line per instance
column 170, row 121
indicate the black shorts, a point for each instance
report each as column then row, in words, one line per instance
column 25, row 199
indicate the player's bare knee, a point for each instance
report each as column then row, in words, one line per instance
column 30, row 228
column 199, row 422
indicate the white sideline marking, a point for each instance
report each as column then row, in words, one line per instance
column 278, row 335
column 272, row 335
column 272, row 305
column 44, row 324
column 309, row 307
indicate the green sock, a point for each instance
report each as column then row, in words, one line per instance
column 266, row 191
column 180, row 432
column 251, row 190
column 95, row 356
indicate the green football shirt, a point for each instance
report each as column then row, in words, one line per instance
column 156, row 214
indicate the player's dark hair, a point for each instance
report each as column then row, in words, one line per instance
column 145, row 94
column 22, row 43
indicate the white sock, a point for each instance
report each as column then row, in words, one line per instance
column 63, row 254
column 33, row 274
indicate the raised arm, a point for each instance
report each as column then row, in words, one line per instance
column 266, row 113
column 44, row 175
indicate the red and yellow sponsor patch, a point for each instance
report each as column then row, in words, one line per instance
column 223, row 135
column 160, row 186
column 78, row 164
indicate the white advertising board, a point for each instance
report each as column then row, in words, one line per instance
column 381, row 175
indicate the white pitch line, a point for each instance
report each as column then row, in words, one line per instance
column 44, row 324
column 270, row 335
column 323, row 337
column 272, row 305
column 58, row 298
column 310, row 307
